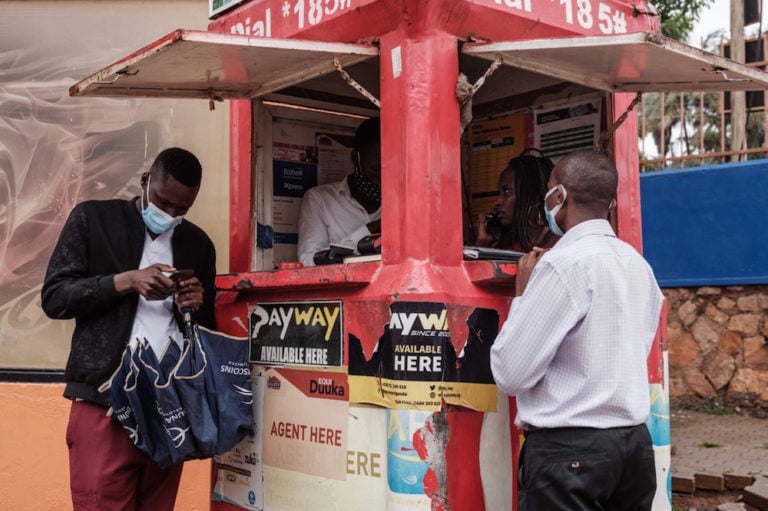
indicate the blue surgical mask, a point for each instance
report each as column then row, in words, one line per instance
column 550, row 214
column 157, row 220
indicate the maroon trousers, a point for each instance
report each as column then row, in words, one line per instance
column 107, row 472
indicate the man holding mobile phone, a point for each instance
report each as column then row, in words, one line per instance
column 114, row 270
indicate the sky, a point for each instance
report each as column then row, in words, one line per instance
column 719, row 16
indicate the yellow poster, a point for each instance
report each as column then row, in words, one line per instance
column 428, row 354
column 492, row 144
column 415, row 395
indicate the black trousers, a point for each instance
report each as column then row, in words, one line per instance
column 573, row 469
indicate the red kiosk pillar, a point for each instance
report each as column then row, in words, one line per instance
column 420, row 148
column 421, row 218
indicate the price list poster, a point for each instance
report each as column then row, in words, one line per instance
column 492, row 144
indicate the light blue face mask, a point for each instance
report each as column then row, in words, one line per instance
column 157, row 220
column 551, row 214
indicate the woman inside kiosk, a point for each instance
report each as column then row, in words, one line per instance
column 517, row 220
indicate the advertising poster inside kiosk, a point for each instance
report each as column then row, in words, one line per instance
column 304, row 154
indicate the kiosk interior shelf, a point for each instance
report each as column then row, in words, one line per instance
column 330, row 276
column 354, row 275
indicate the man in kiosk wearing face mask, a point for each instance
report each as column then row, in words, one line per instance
column 111, row 271
column 346, row 211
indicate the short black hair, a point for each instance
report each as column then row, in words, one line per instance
column 368, row 133
column 181, row 164
column 589, row 176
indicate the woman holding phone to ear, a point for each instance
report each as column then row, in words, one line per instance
column 517, row 221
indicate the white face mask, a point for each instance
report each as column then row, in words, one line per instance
column 550, row 214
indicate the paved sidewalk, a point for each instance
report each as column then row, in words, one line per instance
column 737, row 445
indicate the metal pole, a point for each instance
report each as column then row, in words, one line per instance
column 738, row 99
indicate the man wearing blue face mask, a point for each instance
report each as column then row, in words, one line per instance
column 573, row 351
column 110, row 271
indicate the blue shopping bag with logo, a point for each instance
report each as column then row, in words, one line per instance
column 169, row 358
column 166, row 406
column 228, row 385
column 139, row 393
column 113, row 392
column 189, row 380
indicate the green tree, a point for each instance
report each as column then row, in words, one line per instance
column 678, row 17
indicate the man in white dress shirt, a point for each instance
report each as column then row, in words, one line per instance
column 346, row 211
column 573, row 351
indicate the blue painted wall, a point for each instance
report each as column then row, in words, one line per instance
column 706, row 226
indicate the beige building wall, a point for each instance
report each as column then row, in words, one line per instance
column 56, row 151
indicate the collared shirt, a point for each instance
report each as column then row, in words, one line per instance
column 154, row 319
column 574, row 346
column 328, row 215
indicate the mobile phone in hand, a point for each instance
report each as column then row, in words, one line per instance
column 179, row 275
column 493, row 225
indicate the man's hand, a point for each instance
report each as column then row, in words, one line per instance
column 189, row 293
column 525, row 268
column 374, row 227
column 151, row 282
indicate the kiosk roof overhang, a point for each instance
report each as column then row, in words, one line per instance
column 638, row 62
column 199, row 64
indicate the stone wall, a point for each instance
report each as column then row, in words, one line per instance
column 717, row 346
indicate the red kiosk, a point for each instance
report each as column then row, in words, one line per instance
column 370, row 377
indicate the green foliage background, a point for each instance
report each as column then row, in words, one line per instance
column 678, row 17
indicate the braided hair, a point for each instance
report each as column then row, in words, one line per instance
column 531, row 174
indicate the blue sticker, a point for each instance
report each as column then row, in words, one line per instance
column 292, row 179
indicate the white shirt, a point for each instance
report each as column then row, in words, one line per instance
column 154, row 319
column 328, row 215
column 574, row 346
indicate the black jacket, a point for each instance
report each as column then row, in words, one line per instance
column 99, row 240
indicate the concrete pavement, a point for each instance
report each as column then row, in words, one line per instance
column 712, row 453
